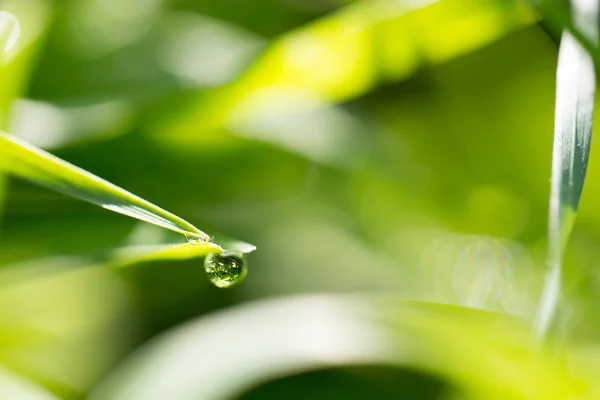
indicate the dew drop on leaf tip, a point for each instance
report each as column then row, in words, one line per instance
column 225, row 269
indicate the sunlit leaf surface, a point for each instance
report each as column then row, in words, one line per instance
column 28, row 162
column 200, row 359
column 575, row 88
column 397, row 149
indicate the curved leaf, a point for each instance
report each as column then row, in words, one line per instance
column 222, row 356
column 14, row 387
column 332, row 60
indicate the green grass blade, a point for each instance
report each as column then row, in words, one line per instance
column 575, row 87
column 125, row 257
column 25, row 161
column 130, row 256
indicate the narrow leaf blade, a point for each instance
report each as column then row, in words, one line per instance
column 25, row 161
column 575, row 88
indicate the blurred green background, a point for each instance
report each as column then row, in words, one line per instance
column 371, row 146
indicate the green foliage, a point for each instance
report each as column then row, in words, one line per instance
column 400, row 149
column 344, row 331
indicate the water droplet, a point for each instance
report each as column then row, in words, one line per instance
column 9, row 31
column 226, row 269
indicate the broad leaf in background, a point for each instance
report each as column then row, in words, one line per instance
column 22, row 25
column 52, row 316
column 27, row 162
column 14, row 387
column 33, row 345
column 575, row 87
column 344, row 55
column 224, row 355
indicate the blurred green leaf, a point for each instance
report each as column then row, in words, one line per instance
column 15, row 65
column 38, row 166
column 355, row 383
column 21, row 27
column 341, row 56
column 10, row 30
column 128, row 256
column 575, row 88
column 222, row 356
column 559, row 16
column 2, row 191
column 52, row 321
column 116, row 258
column 438, row 196
column 14, row 387
column 37, row 347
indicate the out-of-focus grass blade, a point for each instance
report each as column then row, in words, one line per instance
column 557, row 15
column 345, row 54
column 10, row 30
column 133, row 255
column 208, row 359
column 130, row 256
column 22, row 25
column 575, row 87
column 13, row 274
column 25, row 161
column 2, row 192
column 14, row 387
column 49, row 321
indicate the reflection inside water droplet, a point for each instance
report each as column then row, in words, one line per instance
column 226, row 269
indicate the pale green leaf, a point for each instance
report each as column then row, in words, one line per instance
column 119, row 258
column 48, row 306
column 346, row 54
column 130, row 256
column 22, row 24
column 14, row 387
column 224, row 355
